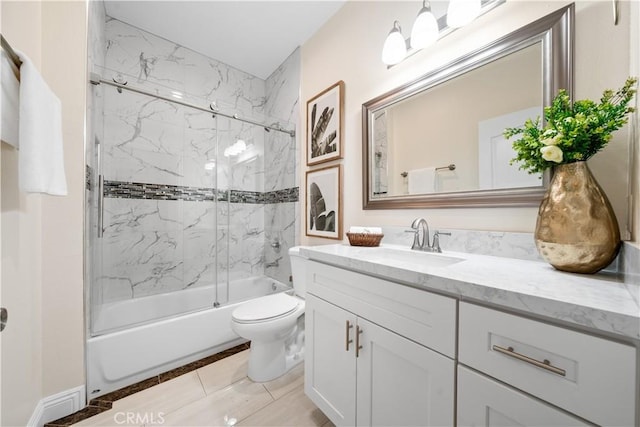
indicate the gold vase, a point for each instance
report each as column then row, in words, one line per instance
column 576, row 230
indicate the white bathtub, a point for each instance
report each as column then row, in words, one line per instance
column 120, row 358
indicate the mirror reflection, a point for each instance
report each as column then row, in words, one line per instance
column 437, row 141
column 448, row 138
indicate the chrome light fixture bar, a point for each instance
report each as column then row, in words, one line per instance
column 427, row 30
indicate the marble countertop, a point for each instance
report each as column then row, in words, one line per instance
column 603, row 302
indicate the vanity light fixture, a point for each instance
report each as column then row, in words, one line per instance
column 425, row 30
column 395, row 47
column 462, row 12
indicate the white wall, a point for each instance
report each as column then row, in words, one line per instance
column 42, row 235
column 64, row 59
column 348, row 48
column 21, row 369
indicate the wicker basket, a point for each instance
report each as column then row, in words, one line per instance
column 364, row 239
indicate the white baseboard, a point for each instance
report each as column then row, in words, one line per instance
column 57, row 406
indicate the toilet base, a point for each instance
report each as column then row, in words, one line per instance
column 270, row 360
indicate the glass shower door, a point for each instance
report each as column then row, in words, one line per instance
column 157, row 256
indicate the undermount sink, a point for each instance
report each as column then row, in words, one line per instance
column 423, row 259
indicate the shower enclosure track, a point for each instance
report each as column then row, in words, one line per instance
column 96, row 79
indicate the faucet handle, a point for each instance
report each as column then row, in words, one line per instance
column 436, row 240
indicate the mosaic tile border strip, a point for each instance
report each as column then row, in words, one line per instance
column 282, row 196
column 105, row 402
column 88, row 173
column 140, row 190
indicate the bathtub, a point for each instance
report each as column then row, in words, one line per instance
column 127, row 355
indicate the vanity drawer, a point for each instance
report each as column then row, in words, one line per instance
column 592, row 377
column 418, row 315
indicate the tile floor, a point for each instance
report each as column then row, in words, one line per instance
column 213, row 394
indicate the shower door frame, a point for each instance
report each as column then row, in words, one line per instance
column 96, row 80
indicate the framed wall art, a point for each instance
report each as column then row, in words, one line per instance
column 325, row 113
column 323, row 206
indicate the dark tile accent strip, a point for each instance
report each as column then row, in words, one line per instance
column 139, row 190
column 87, row 176
column 282, row 196
column 202, row 362
column 238, row 196
column 83, row 414
column 105, row 402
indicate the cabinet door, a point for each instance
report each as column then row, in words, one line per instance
column 485, row 402
column 401, row 383
column 330, row 362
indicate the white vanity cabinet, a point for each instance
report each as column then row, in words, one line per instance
column 368, row 358
column 386, row 353
column 591, row 377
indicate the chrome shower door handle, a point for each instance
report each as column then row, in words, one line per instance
column 100, row 206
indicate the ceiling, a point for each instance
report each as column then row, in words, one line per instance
column 253, row 36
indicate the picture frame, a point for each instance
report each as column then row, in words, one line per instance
column 325, row 118
column 323, row 205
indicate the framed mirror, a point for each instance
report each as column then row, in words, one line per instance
column 437, row 141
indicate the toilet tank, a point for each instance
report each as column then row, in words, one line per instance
column 298, row 267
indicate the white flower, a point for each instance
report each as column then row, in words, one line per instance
column 552, row 141
column 552, row 153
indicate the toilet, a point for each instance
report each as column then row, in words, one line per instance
column 275, row 326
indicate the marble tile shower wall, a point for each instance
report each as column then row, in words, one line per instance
column 153, row 246
column 282, row 102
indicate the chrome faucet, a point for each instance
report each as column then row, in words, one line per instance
column 421, row 240
column 420, row 243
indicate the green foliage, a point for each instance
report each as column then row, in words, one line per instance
column 571, row 132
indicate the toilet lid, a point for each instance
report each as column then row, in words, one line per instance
column 264, row 308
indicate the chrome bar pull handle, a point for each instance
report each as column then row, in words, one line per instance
column 347, row 340
column 358, row 346
column 545, row 364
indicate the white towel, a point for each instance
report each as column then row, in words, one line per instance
column 10, row 102
column 422, row 181
column 365, row 230
column 41, row 159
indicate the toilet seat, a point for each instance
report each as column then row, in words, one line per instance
column 266, row 308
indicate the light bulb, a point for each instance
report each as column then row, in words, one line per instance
column 461, row 12
column 395, row 48
column 425, row 28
